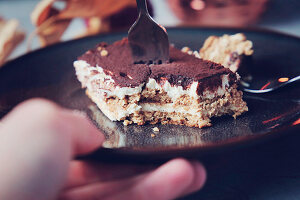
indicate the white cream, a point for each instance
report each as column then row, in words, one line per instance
column 84, row 73
column 169, row 108
column 175, row 92
column 113, row 115
column 208, row 94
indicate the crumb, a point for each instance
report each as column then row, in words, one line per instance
column 152, row 135
column 155, row 129
column 130, row 77
column 196, row 54
column 99, row 48
column 104, row 52
column 127, row 122
column 185, row 49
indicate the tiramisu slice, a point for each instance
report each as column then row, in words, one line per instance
column 186, row 91
column 231, row 51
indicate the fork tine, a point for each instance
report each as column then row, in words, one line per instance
column 148, row 41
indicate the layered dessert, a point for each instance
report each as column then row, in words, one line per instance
column 231, row 51
column 186, row 91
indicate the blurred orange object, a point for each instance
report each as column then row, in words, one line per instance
column 10, row 38
column 233, row 13
column 52, row 17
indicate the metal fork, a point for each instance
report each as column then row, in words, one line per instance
column 267, row 86
column 148, row 40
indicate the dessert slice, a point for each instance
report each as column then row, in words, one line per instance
column 187, row 91
column 229, row 50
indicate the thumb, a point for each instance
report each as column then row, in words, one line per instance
column 37, row 141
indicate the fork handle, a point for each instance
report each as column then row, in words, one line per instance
column 142, row 7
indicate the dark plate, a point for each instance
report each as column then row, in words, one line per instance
column 49, row 73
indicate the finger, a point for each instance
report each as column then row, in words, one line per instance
column 85, row 136
column 169, row 181
column 38, row 115
column 102, row 190
column 84, row 173
column 200, row 176
column 36, row 144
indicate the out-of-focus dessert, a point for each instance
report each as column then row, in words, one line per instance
column 187, row 91
column 227, row 50
column 10, row 37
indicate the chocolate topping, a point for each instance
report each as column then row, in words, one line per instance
column 185, row 68
column 118, row 63
column 182, row 70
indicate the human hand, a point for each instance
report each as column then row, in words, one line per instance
column 38, row 141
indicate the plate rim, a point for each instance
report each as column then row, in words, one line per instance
column 238, row 142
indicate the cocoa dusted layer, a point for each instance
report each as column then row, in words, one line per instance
column 182, row 70
column 118, row 63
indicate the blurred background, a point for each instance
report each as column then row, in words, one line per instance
column 44, row 22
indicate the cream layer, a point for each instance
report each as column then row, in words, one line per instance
column 95, row 79
column 169, row 108
column 113, row 113
column 175, row 92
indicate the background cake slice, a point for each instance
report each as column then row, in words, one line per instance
column 186, row 91
column 227, row 50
